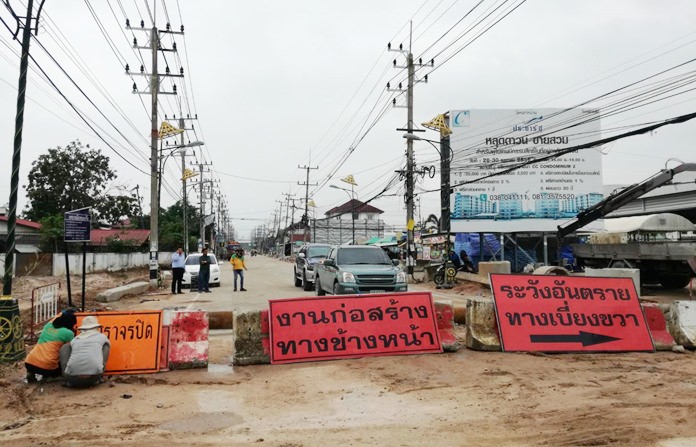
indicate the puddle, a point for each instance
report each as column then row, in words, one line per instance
column 217, row 401
column 678, row 442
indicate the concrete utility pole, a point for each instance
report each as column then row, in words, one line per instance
column 16, row 154
column 306, row 184
column 154, row 92
column 411, row 254
column 182, row 126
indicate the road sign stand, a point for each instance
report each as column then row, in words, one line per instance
column 569, row 314
column 76, row 228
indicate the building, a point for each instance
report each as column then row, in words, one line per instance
column 467, row 206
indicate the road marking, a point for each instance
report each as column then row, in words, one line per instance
column 195, row 298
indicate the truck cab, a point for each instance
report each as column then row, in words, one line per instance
column 357, row 269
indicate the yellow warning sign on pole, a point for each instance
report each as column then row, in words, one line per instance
column 167, row 130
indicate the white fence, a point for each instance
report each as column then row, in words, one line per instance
column 106, row 262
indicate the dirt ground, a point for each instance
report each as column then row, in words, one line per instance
column 465, row 398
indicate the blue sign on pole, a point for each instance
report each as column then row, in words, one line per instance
column 76, row 226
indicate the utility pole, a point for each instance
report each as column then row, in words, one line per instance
column 17, row 152
column 287, row 214
column 411, row 254
column 202, row 199
column 154, row 92
column 280, row 218
column 306, row 184
column 182, row 126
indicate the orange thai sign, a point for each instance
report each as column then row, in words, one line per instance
column 310, row 329
column 134, row 337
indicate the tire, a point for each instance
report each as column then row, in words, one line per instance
column 439, row 278
column 317, row 287
column 674, row 281
column 336, row 289
column 298, row 281
column 306, row 285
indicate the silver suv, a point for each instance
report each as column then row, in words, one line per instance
column 308, row 256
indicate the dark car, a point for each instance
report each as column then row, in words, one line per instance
column 308, row 256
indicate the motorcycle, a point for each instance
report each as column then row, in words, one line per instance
column 444, row 272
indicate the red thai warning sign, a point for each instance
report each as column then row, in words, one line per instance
column 569, row 313
column 309, row 329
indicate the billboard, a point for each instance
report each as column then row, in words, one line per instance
column 536, row 197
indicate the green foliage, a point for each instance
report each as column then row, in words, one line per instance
column 74, row 177
column 114, row 245
column 52, row 233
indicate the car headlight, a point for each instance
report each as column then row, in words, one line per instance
column 401, row 277
column 348, row 277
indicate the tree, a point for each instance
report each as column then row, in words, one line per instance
column 71, row 178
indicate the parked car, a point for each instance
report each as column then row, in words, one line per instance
column 191, row 271
column 308, row 256
column 358, row 269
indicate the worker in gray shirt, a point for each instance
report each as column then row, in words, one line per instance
column 84, row 358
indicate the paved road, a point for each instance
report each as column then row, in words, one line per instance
column 267, row 278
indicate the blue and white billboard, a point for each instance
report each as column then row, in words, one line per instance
column 536, row 197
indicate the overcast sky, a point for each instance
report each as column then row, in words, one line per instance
column 278, row 84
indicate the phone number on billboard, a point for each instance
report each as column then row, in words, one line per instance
column 552, row 195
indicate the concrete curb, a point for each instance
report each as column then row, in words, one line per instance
column 136, row 288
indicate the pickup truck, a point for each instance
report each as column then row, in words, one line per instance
column 356, row 269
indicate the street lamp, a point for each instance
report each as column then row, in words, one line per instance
column 351, row 193
column 446, row 154
column 181, row 149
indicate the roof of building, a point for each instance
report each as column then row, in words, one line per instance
column 651, row 222
column 101, row 237
column 353, row 205
column 24, row 223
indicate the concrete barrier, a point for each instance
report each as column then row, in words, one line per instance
column 682, row 323
column 188, row 338
column 657, row 323
column 634, row 274
column 473, row 277
column 444, row 313
column 117, row 293
column 251, row 343
column 551, row 270
column 481, row 327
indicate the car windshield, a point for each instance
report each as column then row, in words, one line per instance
column 193, row 260
column 362, row 256
column 318, row 252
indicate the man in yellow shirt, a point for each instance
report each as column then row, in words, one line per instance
column 237, row 261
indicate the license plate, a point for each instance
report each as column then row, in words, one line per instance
column 377, row 291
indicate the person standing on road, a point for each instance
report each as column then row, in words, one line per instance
column 83, row 359
column 237, row 261
column 44, row 358
column 204, row 272
column 178, row 264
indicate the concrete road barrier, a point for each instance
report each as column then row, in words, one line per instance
column 188, row 338
column 444, row 313
column 634, row 274
column 657, row 323
column 682, row 323
column 117, row 293
column 481, row 327
column 251, row 342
